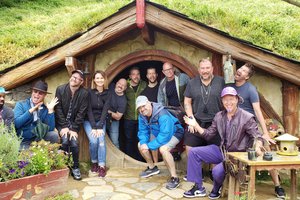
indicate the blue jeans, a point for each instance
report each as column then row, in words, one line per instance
column 114, row 132
column 97, row 145
column 51, row 136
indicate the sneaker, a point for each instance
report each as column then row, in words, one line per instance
column 102, row 171
column 185, row 178
column 195, row 192
column 173, row 183
column 279, row 192
column 149, row 172
column 94, row 168
column 214, row 195
column 76, row 174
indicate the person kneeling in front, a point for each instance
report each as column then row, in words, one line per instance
column 167, row 131
column 238, row 130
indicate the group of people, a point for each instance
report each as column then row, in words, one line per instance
column 218, row 117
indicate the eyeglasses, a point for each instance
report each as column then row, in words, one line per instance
column 167, row 70
column 76, row 78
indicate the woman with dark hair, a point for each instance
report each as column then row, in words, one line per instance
column 94, row 125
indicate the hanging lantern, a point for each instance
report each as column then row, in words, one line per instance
column 287, row 145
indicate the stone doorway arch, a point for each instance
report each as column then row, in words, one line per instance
column 117, row 158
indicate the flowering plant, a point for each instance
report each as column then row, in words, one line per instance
column 41, row 158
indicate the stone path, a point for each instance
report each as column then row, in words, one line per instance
column 123, row 184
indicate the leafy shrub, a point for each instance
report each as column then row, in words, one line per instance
column 41, row 158
column 9, row 150
column 9, row 144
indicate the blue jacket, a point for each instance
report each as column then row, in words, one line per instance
column 162, row 124
column 24, row 119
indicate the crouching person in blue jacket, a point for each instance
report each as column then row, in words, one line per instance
column 166, row 133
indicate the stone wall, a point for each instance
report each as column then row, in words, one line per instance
column 270, row 87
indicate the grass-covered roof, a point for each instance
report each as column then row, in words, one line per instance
column 31, row 26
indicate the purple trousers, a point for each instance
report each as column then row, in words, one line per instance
column 210, row 154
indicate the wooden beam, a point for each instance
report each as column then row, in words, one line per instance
column 290, row 95
column 105, row 32
column 267, row 109
column 203, row 36
column 148, row 35
column 71, row 64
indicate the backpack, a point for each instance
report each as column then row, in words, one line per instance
column 177, row 112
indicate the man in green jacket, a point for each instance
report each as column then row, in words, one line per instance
column 134, row 87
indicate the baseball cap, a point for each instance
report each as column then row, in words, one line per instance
column 233, row 92
column 228, row 91
column 2, row 90
column 141, row 101
column 79, row 72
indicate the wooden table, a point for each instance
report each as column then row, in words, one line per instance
column 279, row 162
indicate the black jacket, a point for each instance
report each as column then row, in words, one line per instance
column 79, row 107
column 98, row 107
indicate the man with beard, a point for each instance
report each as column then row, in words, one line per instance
column 151, row 93
column 251, row 104
column 6, row 113
column 152, row 88
column 70, row 113
column 32, row 111
column 134, row 88
column 117, row 109
column 202, row 101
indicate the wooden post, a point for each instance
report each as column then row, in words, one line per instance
column 290, row 95
column 148, row 35
column 84, row 154
column 140, row 13
column 217, row 62
column 71, row 64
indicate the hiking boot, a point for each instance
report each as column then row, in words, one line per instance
column 213, row 195
column 173, row 183
column 94, row 168
column 76, row 174
column 102, row 171
column 279, row 192
column 149, row 172
column 195, row 192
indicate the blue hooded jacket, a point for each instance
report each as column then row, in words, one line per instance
column 24, row 119
column 162, row 124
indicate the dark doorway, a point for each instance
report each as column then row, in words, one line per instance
column 143, row 66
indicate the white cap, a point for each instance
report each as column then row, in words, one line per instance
column 141, row 101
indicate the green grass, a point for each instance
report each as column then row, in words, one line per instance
column 31, row 26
